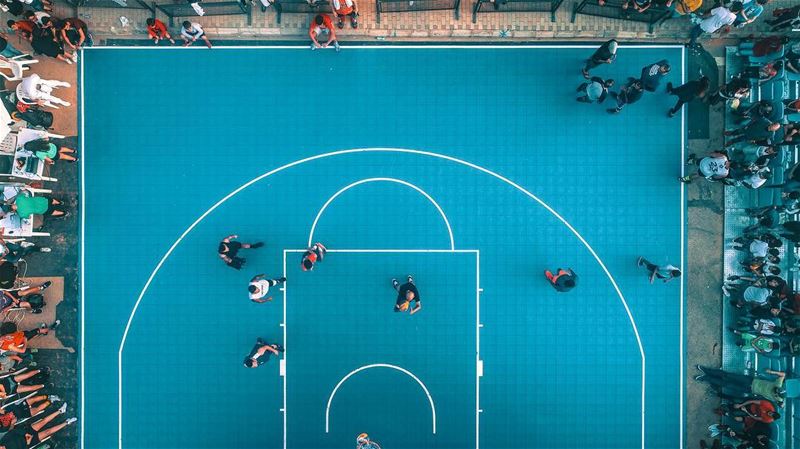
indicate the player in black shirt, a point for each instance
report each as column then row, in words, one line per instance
column 405, row 294
column 229, row 248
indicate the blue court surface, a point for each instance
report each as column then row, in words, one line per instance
column 472, row 168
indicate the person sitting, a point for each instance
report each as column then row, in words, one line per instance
column 345, row 8
column 191, row 31
column 34, row 89
column 764, row 73
column 28, row 298
column 757, row 110
column 228, row 251
column 49, row 152
column 74, row 33
column 30, row 435
column 24, row 382
column 785, row 18
column 44, row 41
column 13, row 252
column 405, row 294
column 639, row 5
column 24, row 409
column 562, row 280
column 751, row 9
column 757, row 131
column 364, row 442
column 24, row 28
column 322, row 28
column 260, row 353
column 25, row 206
column 16, row 341
column 313, row 255
column 157, row 31
column 734, row 90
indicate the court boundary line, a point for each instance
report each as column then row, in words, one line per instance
column 478, row 326
column 368, row 151
column 374, row 47
column 381, row 179
column 684, row 112
column 82, row 304
column 380, row 365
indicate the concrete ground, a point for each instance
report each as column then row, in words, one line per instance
column 705, row 201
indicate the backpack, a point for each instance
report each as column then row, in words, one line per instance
column 36, row 300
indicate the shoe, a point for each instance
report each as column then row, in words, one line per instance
column 685, row 179
column 44, row 286
column 36, row 311
column 63, row 408
column 669, row 88
column 336, row 46
column 410, row 279
column 27, row 244
column 691, row 159
column 256, row 245
column 699, row 377
column 640, row 261
column 263, row 8
column 395, row 284
column 70, row 420
column 313, row 47
column 699, row 367
column 340, row 23
column 55, row 324
column 44, row 250
column 725, row 291
column 583, row 100
column 281, row 279
column 671, row 113
column 585, row 73
column 612, row 111
column 68, row 61
column 53, row 398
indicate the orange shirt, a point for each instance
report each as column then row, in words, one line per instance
column 16, row 339
column 327, row 24
column 158, row 30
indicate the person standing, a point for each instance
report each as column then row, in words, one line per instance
column 345, row 8
column 653, row 74
column 313, row 254
column 157, row 31
column 714, row 20
column 259, row 287
column 688, row 92
column 74, row 32
column 629, row 94
column 228, row 250
column 606, row 54
column 191, row 31
column 407, row 293
column 563, row 281
column 595, row 90
column 760, row 130
column 322, row 28
column 664, row 272
column 750, row 11
column 364, row 442
column 261, row 352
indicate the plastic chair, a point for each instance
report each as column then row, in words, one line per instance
column 17, row 67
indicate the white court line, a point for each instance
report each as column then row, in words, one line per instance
column 380, row 365
column 373, row 47
column 285, row 366
column 381, row 250
column 82, row 303
column 396, row 181
column 478, row 367
column 684, row 111
column 367, row 151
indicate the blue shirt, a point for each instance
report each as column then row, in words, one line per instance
column 751, row 9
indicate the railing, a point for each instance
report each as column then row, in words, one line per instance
column 301, row 7
column 384, row 6
column 516, row 6
column 613, row 9
column 129, row 4
column 185, row 9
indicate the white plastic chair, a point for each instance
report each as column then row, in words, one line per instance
column 17, row 66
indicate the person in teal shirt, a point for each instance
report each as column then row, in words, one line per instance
column 750, row 12
column 50, row 152
column 25, row 206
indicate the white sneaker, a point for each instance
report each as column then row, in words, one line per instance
column 26, row 244
column 63, row 408
column 70, row 420
column 45, row 249
column 53, row 398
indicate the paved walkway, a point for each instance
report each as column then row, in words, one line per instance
column 416, row 25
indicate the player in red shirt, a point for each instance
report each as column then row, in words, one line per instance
column 322, row 27
column 760, row 410
column 23, row 27
column 158, row 31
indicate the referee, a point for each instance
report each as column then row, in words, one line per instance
column 406, row 293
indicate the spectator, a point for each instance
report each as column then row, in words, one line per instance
column 49, row 152
column 260, row 353
column 757, row 343
column 563, row 280
column 191, row 31
column 74, row 33
column 25, row 206
column 791, row 106
column 345, row 8
column 6, row 49
column 36, row 17
column 785, row 18
column 757, row 178
column 688, row 92
column 595, row 90
column 666, row 272
column 734, row 90
column 756, row 409
column 751, row 9
column 30, row 380
column 764, row 73
column 405, row 294
column 157, row 31
column 715, row 19
column 756, row 247
column 652, row 75
column 30, row 435
column 228, row 250
column 313, row 255
column 769, row 389
column 320, row 29
column 752, row 295
column 34, row 89
column 14, row 7
column 606, row 54
column 259, row 287
column 629, row 94
column 29, row 298
column 638, row 5
column 23, row 409
column 44, row 42
column 17, row 340
column 757, row 131
column 23, row 28
column 759, row 109
column 39, row 5
column 13, row 252
column 714, row 167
